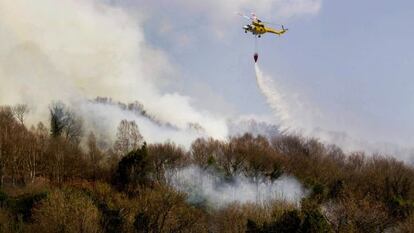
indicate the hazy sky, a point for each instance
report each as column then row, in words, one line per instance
column 343, row 66
column 352, row 60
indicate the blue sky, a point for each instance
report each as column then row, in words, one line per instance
column 353, row 60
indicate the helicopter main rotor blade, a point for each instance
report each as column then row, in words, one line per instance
column 254, row 17
column 271, row 23
column 244, row 16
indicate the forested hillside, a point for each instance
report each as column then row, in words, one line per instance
column 56, row 177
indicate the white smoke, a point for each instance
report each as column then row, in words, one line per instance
column 75, row 50
column 287, row 106
column 206, row 187
column 297, row 116
column 103, row 120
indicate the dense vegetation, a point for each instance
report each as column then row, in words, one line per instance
column 56, row 179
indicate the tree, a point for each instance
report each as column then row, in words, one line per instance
column 14, row 139
column 7, row 125
column 204, row 152
column 164, row 210
column 64, row 122
column 95, row 156
column 165, row 157
column 73, row 131
column 37, row 152
column 19, row 111
column 57, row 119
column 128, row 137
column 66, row 211
column 134, row 170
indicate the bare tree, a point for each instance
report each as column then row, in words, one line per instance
column 6, row 129
column 20, row 111
column 37, row 149
column 128, row 137
column 164, row 157
column 206, row 152
column 95, row 155
column 66, row 211
column 73, row 129
column 165, row 210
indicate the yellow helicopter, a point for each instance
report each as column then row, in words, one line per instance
column 258, row 28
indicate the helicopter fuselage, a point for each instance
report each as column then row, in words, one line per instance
column 258, row 28
column 255, row 28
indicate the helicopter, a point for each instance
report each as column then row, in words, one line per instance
column 258, row 27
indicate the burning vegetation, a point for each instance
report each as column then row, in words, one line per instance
column 58, row 178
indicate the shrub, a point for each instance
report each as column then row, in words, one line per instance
column 22, row 205
column 315, row 222
column 66, row 211
column 164, row 210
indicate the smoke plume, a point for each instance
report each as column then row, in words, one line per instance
column 73, row 51
column 286, row 106
column 205, row 187
column 297, row 116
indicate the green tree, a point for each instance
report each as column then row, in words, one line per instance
column 64, row 122
column 134, row 170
